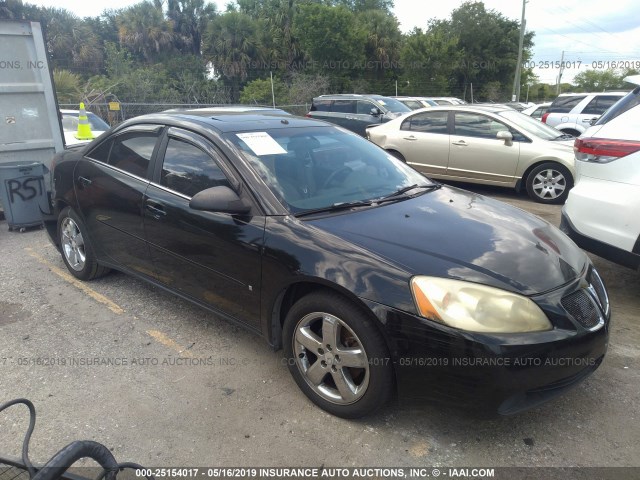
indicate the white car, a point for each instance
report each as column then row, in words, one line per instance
column 537, row 111
column 573, row 113
column 602, row 213
column 70, row 126
column 493, row 145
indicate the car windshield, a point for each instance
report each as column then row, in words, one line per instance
column 531, row 125
column 319, row 167
column 393, row 105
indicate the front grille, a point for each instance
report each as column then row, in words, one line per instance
column 581, row 307
column 598, row 287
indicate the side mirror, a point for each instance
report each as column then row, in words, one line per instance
column 375, row 112
column 219, row 199
column 506, row 136
column 593, row 121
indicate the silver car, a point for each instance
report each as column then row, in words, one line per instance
column 494, row 145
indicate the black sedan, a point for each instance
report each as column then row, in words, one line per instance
column 372, row 278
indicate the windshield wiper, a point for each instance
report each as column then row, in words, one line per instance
column 336, row 207
column 369, row 203
column 401, row 193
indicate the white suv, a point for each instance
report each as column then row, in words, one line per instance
column 573, row 113
column 602, row 212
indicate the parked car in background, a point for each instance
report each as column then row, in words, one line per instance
column 415, row 103
column 355, row 264
column 573, row 113
column 70, row 126
column 602, row 213
column 494, row 145
column 517, row 106
column 356, row 112
column 537, row 111
column 446, row 100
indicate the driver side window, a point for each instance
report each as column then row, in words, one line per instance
column 364, row 107
column 188, row 170
column 477, row 125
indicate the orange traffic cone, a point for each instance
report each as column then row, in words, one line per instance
column 84, row 128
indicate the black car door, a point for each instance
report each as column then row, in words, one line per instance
column 110, row 184
column 212, row 257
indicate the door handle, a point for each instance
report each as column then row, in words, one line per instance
column 461, row 143
column 410, row 137
column 156, row 209
column 85, row 182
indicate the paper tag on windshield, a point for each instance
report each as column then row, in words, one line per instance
column 261, row 143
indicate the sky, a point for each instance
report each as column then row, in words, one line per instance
column 592, row 33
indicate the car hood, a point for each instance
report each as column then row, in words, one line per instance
column 457, row 234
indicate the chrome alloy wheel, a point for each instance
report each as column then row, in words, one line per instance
column 73, row 244
column 549, row 184
column 331, row 358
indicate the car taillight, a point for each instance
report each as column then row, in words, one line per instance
column 544, row 117
column 603, row 150
column 308, row 115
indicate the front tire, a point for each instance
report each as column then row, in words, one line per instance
column 549, row 182
column 77, row 252
column 337, row 356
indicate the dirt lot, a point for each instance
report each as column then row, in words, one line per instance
column 244, row 409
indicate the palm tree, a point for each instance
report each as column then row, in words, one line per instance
column 190, row 19
column 230, row 45
column 143, row 29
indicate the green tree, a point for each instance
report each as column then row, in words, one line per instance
column 489, row 45
column 330, row 38
column 600, row 80
column 230, row 45
column 190, row 18
column 429, row 60
column 258, row 92
column 143, row 30
column 382, row 45
column 68, row 86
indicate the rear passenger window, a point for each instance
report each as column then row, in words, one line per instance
column 565, row 104
column 427, row 122
column 189, row 170
column 600, row 104
column 344, row 106
column 102, row 151
column 132, row 152
column 321, row 106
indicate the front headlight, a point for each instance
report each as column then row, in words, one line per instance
column 476, row 308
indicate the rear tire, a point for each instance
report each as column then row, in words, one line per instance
column 549, row 182
column 337, row 355
column 77, row 252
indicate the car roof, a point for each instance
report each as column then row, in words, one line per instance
column 228, row 121
column 575, row 94
column 470, row 106
column 351, row 96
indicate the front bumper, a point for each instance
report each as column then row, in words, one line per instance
column 506, row 373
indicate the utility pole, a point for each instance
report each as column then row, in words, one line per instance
column 515, row 97
column 560, row 74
